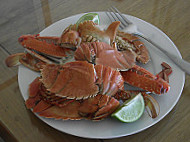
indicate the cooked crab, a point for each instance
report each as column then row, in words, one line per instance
column 81, row 84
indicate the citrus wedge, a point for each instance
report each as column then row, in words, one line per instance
column 89, row 16
column 131, row 110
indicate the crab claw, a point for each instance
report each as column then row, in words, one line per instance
column 69, row 39
column 45, row 45
column 13, row 60
column 140, row 77
column 152, row 106
column 25, row 59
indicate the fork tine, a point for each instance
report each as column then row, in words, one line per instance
column 124, row 18
column 113, row 18
column 125, row 24
column 109, row 17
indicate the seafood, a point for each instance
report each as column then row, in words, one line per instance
column 166, row 71
column 88, row 28
column 27, row 60
column 59, row 47
column 58, row 95
column 66, row 80
column 104, row 54
column 128, row 41
column 87, row 31
column 81, row 89
column 70, row 103
column 139, row 77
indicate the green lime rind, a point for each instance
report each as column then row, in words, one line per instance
column 131, row 110
column 89, row 16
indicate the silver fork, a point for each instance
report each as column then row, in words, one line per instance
column 127, row 26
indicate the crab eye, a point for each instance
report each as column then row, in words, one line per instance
column 21, row 39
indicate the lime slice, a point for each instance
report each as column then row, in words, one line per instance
column 89, row 16
column 131, row 110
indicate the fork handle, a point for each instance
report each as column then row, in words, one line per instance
column 182, row 64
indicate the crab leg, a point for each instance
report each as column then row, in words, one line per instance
column 166, row 71
column 46, row 48
column 26, row 59
column 139, row 77
column 31, row 59
column 33, row 42
column 13, row 60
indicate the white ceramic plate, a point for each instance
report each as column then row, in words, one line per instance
column 111, row 128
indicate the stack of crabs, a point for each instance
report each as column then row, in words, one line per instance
column 83, row 72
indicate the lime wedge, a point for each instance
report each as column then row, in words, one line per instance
column 131, row 110
column 89, row 16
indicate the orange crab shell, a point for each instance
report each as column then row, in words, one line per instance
column 103, row 54
column 81, row 79
column 51, row 106
column 42, row 45
column 137, row 46
column 89, row 28
column 139, row 77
